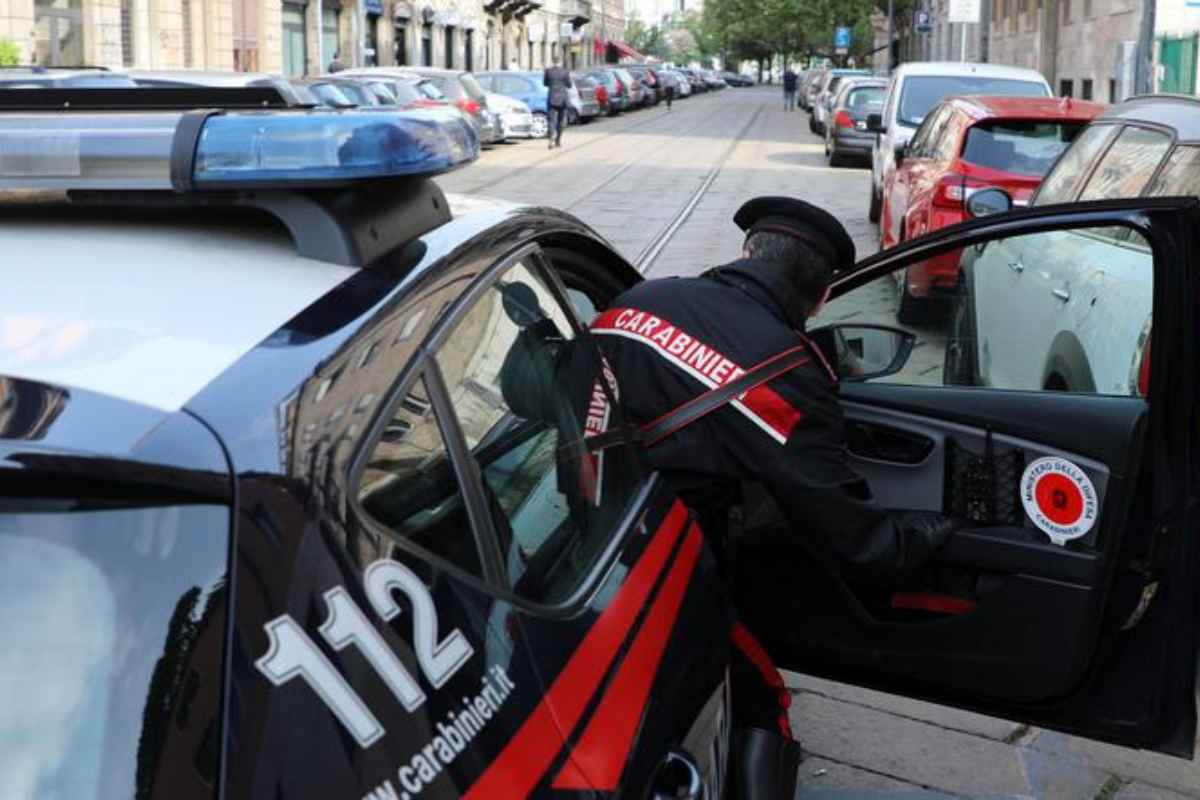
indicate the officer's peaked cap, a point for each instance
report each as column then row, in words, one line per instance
column 814, row 226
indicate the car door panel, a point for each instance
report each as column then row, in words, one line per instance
column 1081, row 633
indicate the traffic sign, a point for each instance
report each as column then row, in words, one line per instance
column 841, row 38
column 922, row 22
column 964, row 11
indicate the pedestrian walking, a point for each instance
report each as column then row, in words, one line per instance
column 789, row 90
column 557, row 79
column 336, row 65
column 670, row 81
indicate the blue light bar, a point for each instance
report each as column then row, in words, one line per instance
column 284, row 149
column 288, row 148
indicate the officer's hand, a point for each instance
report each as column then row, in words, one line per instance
column 925, row 532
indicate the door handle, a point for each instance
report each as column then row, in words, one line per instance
column 677, row 778
column 1016, row 266
column 1061, row 294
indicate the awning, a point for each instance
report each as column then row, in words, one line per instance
column 626, row 51
column 598, row 46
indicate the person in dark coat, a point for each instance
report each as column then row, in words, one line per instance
column 557, row 79
column 789, row 89
column 665, row 342
column 336, row 65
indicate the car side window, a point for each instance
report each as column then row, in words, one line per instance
column 1072, row 168
column 922, row 140
column 945, row 146
column 1064, row 310
column 409, row 486
column 1128, row 165
column 1180, row 175
column 523, row 380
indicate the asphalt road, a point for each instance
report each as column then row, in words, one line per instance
column 663, row 186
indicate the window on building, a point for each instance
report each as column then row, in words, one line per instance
column 245, row 35
column 295, row 49
column 427, row 44
column 185, row 9
column 400, row 42
column 1066, row 88
column 449, row 47
column 371, row 45
column 1085, row 89
column 330, row 41
column 128, row 57
column 469, row 50
column 1112, row 90
column 58, row 32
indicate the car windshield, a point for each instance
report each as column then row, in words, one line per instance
column 408, row 92
column 114, row 627
column 922, row 92
column 472, row 87
column 865, row 100
column 357, row 94
column 330, row 95
column 1026, row 147
column 385, row 95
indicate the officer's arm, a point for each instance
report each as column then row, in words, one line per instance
column 824, row 497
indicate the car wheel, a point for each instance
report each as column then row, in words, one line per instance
column 541, row 127
column 960, row 365
column 876, row 204
column 828, row 153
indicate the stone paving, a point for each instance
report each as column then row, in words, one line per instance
column 628, row 177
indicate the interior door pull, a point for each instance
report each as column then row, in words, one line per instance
column 1016, row 266
column 1061, row 294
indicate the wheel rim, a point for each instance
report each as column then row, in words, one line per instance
column 540, row 126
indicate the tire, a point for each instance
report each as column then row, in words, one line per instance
column 876, row 205
column 912, row 310
column 960, row 365
column 541, row 126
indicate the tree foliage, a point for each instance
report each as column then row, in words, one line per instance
column 10, row 54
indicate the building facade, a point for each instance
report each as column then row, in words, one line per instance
column 1176, row 35
column 296, row 37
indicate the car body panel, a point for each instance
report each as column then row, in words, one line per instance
column 897, row 132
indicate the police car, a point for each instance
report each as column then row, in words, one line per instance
column 271, row 528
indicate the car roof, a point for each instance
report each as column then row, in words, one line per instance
column 1172, row 110
column 433, row 71
column 968, row 68
column 981, row 107
column 206, row 77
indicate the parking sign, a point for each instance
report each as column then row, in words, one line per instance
column 841, row 39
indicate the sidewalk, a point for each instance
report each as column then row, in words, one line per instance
column 866, row 745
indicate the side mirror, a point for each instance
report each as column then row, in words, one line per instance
column 863, row 352
column 901, row 153
column 875, row 123
column 986, row 202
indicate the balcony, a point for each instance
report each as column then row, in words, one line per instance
column 579, row 12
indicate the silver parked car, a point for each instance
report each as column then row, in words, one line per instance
column 460, row 88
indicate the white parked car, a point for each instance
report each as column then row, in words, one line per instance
column 916, row 88
column 516, row 120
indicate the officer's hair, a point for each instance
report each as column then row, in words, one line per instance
column 811, row 270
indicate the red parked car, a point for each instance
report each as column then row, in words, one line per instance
column 963, row 145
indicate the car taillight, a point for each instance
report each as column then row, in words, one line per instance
column 842, row 120
column 953, row 190
column 601, row 95
column 1139, row 373
column 469, row 106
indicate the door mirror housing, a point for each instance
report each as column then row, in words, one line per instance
column 864, row 352
column 875, row 123
column 987, row 202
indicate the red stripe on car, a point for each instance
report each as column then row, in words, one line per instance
column 602, row 751
column 524, row 760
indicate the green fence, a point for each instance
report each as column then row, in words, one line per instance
column 1178, row 60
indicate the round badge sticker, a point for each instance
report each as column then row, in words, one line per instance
column 1059, row 498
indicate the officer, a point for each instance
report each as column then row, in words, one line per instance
column 668, row 342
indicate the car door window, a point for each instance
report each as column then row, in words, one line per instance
column 924, row 135
column 523, row 383
column 1180, row 175
column 513, row 85
column 1047, row 311
column 1128, row 165
column 945, row 146
column 1070, row 171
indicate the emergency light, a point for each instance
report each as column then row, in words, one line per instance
column 221, row 150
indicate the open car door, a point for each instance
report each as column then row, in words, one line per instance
column 1040, row 404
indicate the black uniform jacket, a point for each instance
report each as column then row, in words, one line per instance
column 671, row 339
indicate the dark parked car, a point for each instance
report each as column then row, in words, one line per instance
column 651, row 82
column 590, row 94
column 616, row 90
column 846, row 134
column 459, row 88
